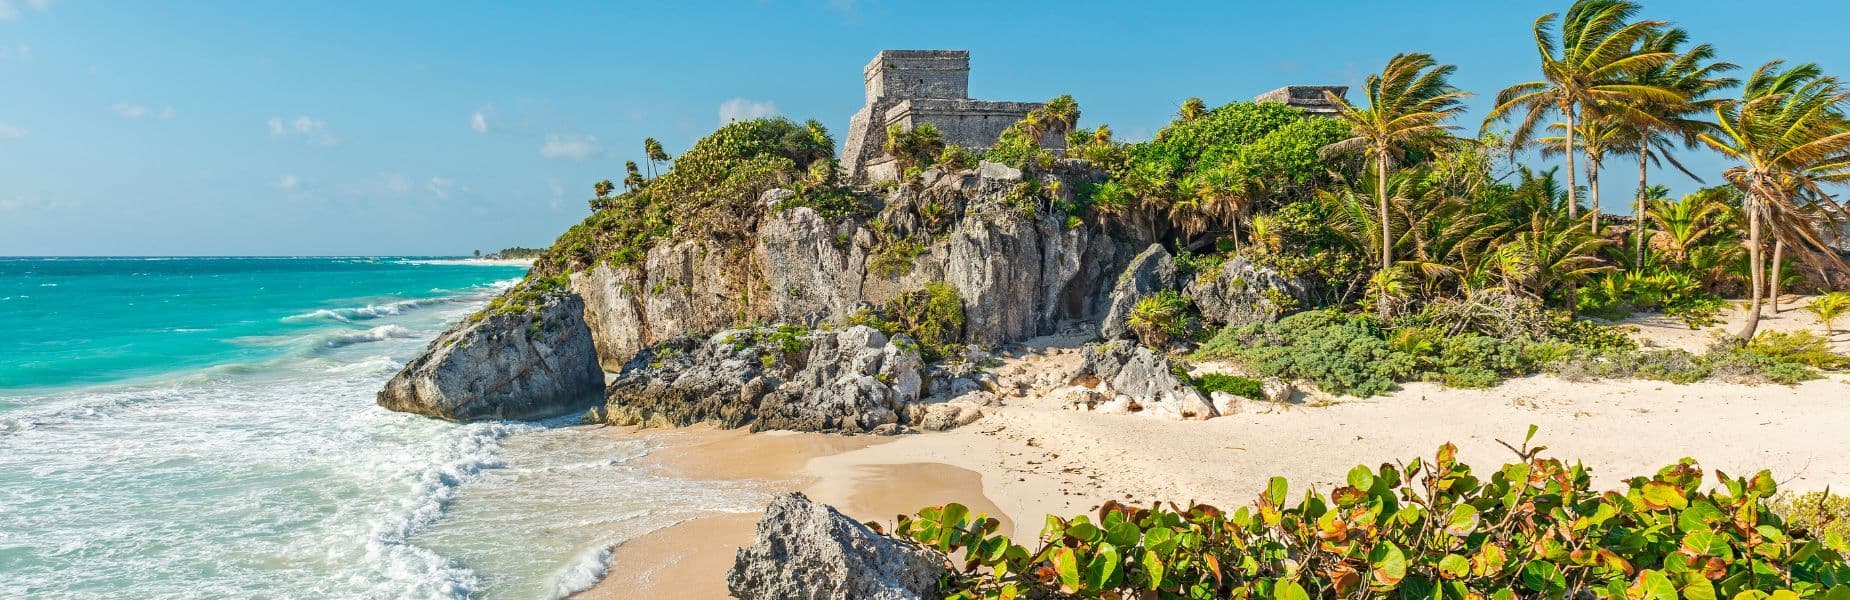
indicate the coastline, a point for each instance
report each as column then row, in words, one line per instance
column 1031, row 457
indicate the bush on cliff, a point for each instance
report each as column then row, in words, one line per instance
column 1425, row 528
column 933, row 316
column 711, row 191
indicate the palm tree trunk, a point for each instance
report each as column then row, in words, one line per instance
column 1381, row 202
column 1779, row 252
column 1638, row 211
column 1756, row 269
column 1593, row 189
column 1567, row 151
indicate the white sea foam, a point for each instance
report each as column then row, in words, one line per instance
column 376, row 334
column 370, row 311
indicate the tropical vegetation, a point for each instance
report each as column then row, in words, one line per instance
column 1429, row 527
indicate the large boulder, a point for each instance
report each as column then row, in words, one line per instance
column 1241, row 293
column 528, row 357
column 851, row 381
column 1151, row 271
column 1135, row 379
column 810, row 551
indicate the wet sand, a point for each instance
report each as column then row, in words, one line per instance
column 690, row 559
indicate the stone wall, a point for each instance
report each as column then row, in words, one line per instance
column 914, row 87
column 1307, row 97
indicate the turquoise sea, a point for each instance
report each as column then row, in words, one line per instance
column 205, row 428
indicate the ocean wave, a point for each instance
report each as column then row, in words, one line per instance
column 370, row 311
column 376, row 334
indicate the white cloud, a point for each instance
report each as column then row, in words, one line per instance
column 9, row 12
column 309, row 128
column 568, row 145
column 396, row 182
column 478, row 122
column 739, row 109
column 20, row 51
column 287, row 181
column 441, row 187
column 136, row 111
column 12, row 132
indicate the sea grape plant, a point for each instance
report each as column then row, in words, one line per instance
column 1426, row 528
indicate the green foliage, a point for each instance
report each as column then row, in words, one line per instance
column 711, row 191
column 1341, row 354
column 1828, row 308
column 956, row 158
column 914, row 148
column 1427, row 528
column 1245, row 387
column 1822, row 514
column 525, row 297
column 1160, row 318
column 1802, row 347
column 933, row 317
column 1672, row 292
column 787, row 339
column 516, row 252
column 895, row 257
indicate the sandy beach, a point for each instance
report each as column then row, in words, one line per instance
column 1031, row 457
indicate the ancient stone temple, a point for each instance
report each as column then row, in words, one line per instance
column 913, row 87
column 1309, row 98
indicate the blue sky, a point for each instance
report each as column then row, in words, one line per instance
column 181, row 128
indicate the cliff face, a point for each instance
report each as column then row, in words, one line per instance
column 1018, row 266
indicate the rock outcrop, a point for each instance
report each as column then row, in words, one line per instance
column 1151, row 271
column 1128, row 378
column 810, row 551
column 1241, row 293
column 852, row 381
column 1021, row 271
column 532, row 362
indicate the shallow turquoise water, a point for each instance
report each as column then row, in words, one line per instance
column 205, row 428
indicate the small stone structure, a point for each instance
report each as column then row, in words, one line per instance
column 913, row 87
column 1307, row 97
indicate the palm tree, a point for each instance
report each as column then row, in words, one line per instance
column 653, row 151
column 1588, row 70
column 1551, row 252
column 603, row 188
column 1192, row 108
column 1670, row 124
column 1686, row 223
column 1061, row 115
column 1828, row 308
column 1789, row 134
column 632, row 180
column 1597, row 138
column 1409, row 104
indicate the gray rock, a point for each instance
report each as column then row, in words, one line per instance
column 1241, row 293
column 997, row 171
column 949, row 415
column 1019, row 277
column 1277, row 390
column 810, row 551
column 771, row 197
column 1151, row 271
column 528, row 364
column 1144, row 377
column 853, row 381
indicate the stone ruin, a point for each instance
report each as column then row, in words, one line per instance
column 1308, row 98
column 913, row 87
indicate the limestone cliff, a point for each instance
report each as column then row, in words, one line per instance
column 1020, row 267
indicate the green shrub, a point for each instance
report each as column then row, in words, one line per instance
column 1803, row 347
column 933, row 317
column 1823, row 514
column 1341, row 354
column 1245, row 387
column 1160, row 318
column 1426, row 528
